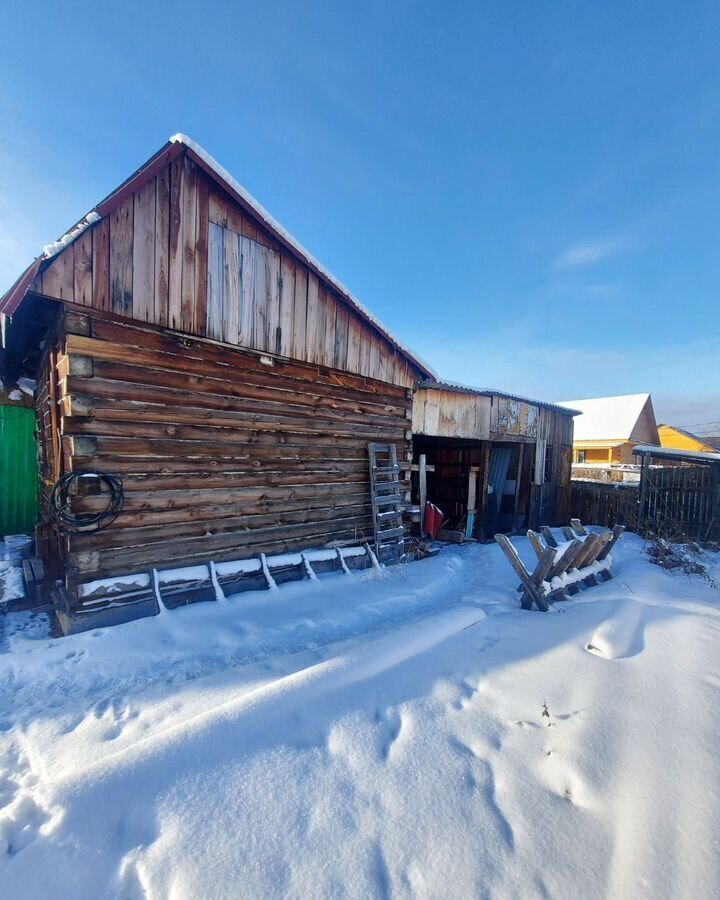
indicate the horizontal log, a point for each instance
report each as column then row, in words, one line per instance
column 349, row 473
column 143, row 529
column 215, row 497
column 244, row 416
column 210, row 467
column 234, row 388
column 241, row 544
column 265, row 435
column 91, row 447
column 252, row 373
column 191, row 348
column 110, row 565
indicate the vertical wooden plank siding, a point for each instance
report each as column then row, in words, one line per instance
column 246, row 311
column 342, row 321
column 177, row 169
column 201, row 255
column 354, row 333
column 331, row 311
column 287, row 305
column 259, row 299
column 312, row 322
column 121, row 259
column 101, row 265
column 83, row 266
column 162, row 246
column 188, row 205
column 231, row 287
column 151, row 259
column 300, row 313
column 143, row 249
column 58, row 279
column 215, row 282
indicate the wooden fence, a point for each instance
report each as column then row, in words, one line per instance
column 681, row 502
column 674, row 502
column 605, row 504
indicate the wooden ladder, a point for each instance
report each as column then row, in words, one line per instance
column 386, row 503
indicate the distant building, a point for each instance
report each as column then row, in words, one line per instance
column 678, row 439
column 610, row 427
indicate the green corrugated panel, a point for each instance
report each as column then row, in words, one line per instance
column 18, row 470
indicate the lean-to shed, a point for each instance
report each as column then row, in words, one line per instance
column 184, row 341
column 496, row 461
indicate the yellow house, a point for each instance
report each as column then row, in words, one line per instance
column 610, row 427
column 678, row 439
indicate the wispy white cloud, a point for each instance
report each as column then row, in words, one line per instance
column 587, row 253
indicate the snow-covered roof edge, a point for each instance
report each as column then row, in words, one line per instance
column 458, row 388
column 660, row 452
column 275, row 226
column 608, row 418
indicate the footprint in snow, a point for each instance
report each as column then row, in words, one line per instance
column 21, row 817
column 389, row 727
column 621, row 634
column 117, row 713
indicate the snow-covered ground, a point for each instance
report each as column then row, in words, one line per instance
column 372, row 735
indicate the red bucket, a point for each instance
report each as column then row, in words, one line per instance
column 432, row 520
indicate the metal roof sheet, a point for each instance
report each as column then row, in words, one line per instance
column 458, row 388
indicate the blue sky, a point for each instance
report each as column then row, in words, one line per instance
column 527, row 193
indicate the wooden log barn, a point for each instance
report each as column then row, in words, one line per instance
column 186, row 345
column 495, row 462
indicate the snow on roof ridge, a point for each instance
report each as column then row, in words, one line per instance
column 223, row 173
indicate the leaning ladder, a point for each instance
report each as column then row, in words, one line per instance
column 386, row 502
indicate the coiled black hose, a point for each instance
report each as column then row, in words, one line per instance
column 74, row 522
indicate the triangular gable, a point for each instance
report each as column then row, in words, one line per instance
column 623, row 418
column 143, row 253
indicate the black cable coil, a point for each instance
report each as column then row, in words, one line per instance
column 74, row 522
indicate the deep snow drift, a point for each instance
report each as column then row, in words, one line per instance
column 372, row 735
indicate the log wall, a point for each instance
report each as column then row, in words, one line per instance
column 181, row 253
column 222, row 456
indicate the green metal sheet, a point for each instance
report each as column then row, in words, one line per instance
column 18, row 470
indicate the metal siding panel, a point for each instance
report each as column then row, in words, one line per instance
column 18, row 470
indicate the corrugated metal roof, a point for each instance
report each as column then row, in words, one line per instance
column 457, row 388
column 671, row 453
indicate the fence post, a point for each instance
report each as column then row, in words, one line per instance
column 644, row 476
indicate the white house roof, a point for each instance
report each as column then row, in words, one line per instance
column 607, row 418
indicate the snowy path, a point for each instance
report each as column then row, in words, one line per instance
column 373, row 738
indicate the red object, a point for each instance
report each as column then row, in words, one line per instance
column 432, row 520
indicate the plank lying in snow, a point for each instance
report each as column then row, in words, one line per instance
column 170, row 588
